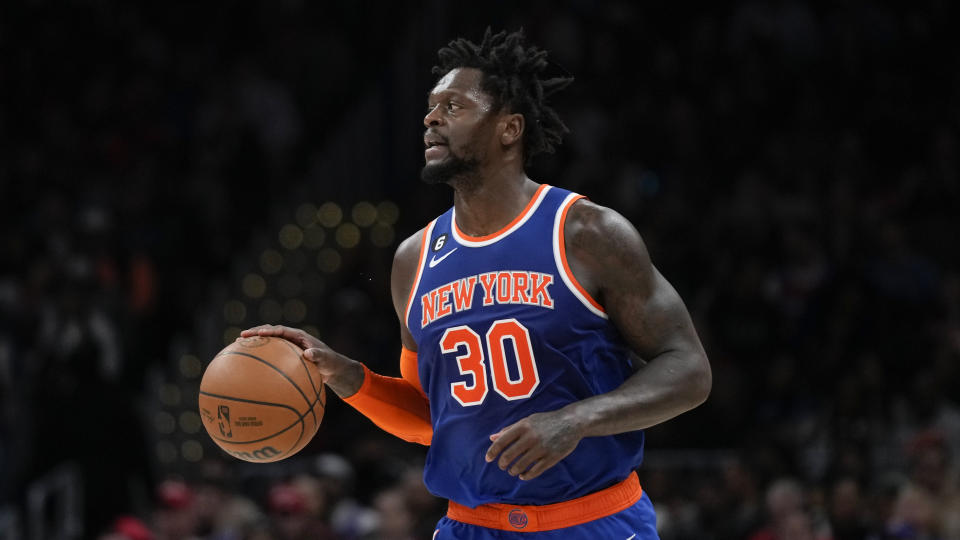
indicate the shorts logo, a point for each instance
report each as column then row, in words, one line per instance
column 517, row 518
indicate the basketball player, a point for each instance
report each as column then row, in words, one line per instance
column 538, row 338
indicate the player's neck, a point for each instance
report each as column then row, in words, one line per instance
column 487, row 206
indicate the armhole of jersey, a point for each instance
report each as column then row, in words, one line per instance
column 560, row 256
column 420, row 262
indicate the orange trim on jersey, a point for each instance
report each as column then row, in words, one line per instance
column 563, row 255
column 416, row 278
column 505, row 227
column 397, row 406
column 509, row 517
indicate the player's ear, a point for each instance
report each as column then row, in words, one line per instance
column 512, row 129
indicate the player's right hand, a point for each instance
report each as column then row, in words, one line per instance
column 343, row 375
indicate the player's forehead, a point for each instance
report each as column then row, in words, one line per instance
column 463, row 82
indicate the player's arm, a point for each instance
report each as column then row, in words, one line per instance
column 396, row 404
column 608, row 257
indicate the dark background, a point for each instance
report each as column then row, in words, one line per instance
column 172, row 173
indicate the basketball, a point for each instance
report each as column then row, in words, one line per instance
column 260, row 401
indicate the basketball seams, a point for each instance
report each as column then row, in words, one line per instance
column 284, row 375
column 299, row 353
column 297, row 413
column 273, row 390
column 300, row 420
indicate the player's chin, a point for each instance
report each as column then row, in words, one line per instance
column 434, row 172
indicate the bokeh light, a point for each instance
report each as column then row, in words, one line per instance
column 271, row 261
column 364, row 214
column 306, row 215
column 330, row 214
column 190, row 366
column 290, row 236
column 254, row 285
column 348, row 235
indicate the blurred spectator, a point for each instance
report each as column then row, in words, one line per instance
column 397, row 521
column 293, row 508
column 349, row 519
column 176, row 515
column 846, row 511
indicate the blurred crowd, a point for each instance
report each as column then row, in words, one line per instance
column 794, row 168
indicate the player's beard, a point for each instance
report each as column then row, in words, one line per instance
column 448, row 169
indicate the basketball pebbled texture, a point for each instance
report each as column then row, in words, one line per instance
column 260, row 401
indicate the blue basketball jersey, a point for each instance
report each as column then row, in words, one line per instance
column 503, row 331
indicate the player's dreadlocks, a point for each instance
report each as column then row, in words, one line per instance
column 511, row 75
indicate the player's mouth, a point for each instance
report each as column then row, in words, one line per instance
column 436, row 148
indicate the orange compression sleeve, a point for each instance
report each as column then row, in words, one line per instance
column 398, row 405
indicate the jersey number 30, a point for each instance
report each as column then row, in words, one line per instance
column 473, row 361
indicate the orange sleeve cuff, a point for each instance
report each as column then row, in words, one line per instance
column 397, row 404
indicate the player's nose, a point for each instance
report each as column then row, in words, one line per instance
column 433, row 117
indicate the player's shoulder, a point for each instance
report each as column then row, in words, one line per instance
column 603, row 242
column 405, row 265
column 409, row 249
column 591, row 224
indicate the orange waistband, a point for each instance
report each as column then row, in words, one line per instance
column 511, row 517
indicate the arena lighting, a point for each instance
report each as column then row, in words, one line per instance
column 364, row 214
column 191, row 450
column 329, row 214
column 348, row 235
column 306, row 215
column 190, row 366
column 271, row 261
column 388, row 212
column 290, row 236
column 294, row 311
column 254, row 286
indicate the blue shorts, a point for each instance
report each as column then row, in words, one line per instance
column 637, row 522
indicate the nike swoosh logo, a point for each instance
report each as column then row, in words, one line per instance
column 435, row 261
column 632, row 536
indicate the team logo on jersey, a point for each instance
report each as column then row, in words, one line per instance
column 439, row 242
column 503, row 287
column 517, row 518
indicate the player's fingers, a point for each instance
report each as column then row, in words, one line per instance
column 538, row 468
column 255, row 331
column 318, row 355
column 512, row 452
column 504, row 439
column 524, row 462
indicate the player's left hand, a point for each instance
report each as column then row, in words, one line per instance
column 535, row 444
